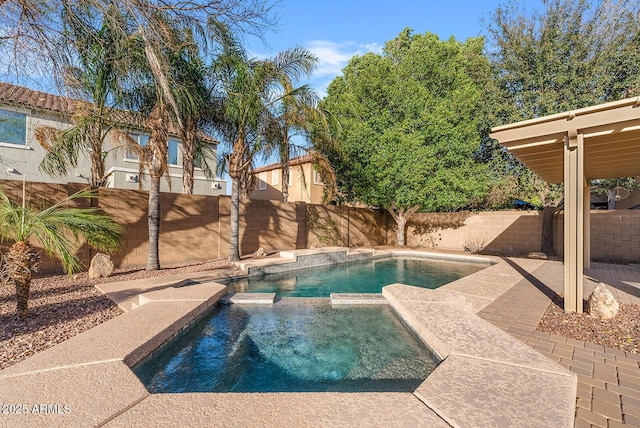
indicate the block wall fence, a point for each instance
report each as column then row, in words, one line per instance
column 196, row 227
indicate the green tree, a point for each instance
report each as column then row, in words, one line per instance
column 409, row 126
column 250, row 90
column 155, row 93
column 566, row 55
column 57, row 230
column 296, row 116
column 193, row 100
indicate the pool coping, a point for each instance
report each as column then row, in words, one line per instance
column 487, row 378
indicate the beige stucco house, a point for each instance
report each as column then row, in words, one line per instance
column 304, row 184
column 23, row 110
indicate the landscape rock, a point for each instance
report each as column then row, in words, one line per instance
column 602, row 304
column 101, row 265
column 261, row 253
column 537, row 255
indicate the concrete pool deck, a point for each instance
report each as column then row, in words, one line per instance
column 85, row 381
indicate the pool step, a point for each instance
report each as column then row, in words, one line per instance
column 249, row 298
column 358, row 299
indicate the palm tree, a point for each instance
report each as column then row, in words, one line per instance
column 162, row 58
column 198, row 108
column 297, row 115
column 57, row 230
column 251, row 89
column 100, row 55
column 193, row 103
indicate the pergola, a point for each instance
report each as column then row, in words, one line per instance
column 575, row 147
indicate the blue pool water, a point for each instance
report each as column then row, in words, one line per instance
column 291, row 347
column 367, row 276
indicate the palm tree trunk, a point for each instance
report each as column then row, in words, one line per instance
column 285, row 180
column 97, row 161
column 234, row 251
column 153, row 258
column 188, row 155
column 22, row 261
column 284, row 163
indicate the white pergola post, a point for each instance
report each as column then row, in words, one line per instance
column 573, row 221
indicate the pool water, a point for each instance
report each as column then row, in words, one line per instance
column 291, row 347
column 367, row 276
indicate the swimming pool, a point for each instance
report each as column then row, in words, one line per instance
column 291, row 347
column 367, row 276
column 306, row 345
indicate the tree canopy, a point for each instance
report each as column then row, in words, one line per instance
column 408, row 125
column 566, row 55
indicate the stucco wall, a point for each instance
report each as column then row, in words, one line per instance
column 22, row 162
column 303, row 188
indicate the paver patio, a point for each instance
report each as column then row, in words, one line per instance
column 608, row 379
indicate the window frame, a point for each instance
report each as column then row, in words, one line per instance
column 135, row 135
column 262, row 181
column 178, row 143
column 17, row 112
column 275, row 177
column 316, row 179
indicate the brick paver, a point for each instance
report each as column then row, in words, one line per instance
column 608, row 393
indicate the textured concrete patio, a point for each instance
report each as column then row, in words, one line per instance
column 489, row 376
column 608, row 392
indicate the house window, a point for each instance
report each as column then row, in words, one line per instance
column 13, row 127
column 316, row 178
column 275, row 175
column 290, row 181
column 172, row 152
column 142, row 140
column 262, row 181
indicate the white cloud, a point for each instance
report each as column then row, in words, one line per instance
column 334, row 56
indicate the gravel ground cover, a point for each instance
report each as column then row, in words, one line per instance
column 61, row 306
column 621, row 332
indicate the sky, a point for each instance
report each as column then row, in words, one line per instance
column 336, row 30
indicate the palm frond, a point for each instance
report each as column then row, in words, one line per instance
column 63, row 148
column 204, row 154
column 59, row 227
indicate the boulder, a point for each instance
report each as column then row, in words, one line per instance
column 537, row 256
column 101, row 265
column 602, row 304
column 261, row 253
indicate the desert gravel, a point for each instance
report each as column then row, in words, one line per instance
column 61, row 306
column 621, row 332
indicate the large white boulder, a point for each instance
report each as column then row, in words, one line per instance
column 602, row 304
column 101, row 265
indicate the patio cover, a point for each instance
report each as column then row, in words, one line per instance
column 574, row 147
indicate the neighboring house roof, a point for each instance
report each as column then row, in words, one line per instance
column 25, row 97
column 292, row 162
column 37, row 100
